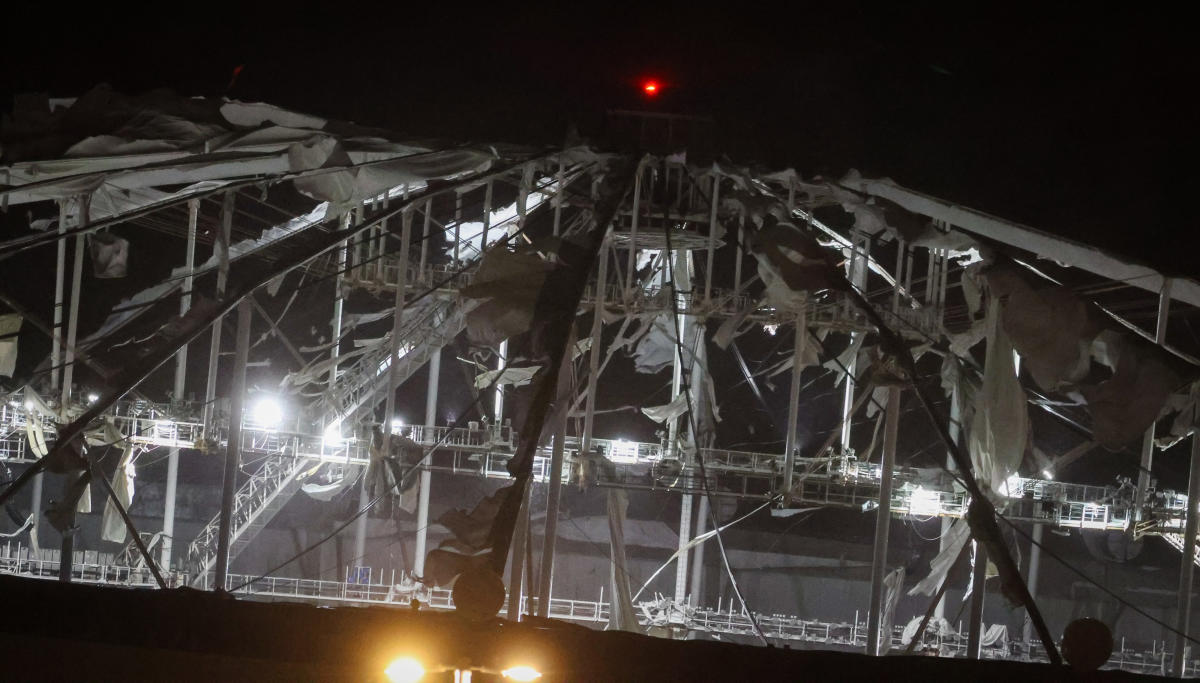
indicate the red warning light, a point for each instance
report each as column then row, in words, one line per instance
column 650, row 88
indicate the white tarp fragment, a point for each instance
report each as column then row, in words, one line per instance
column 1000, row 428
column 1049, row 327
column 669, row 411
column 956, row 537
column 937, row 627
column 517, row 377
column 655, row 351
column 112, row 526
column 893, row 588
column 110, row 255
column 255, row 114
column 508, row 285
column 10, row 325
column 353, row 186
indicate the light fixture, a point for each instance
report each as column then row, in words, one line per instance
column 29, row 405
column 397, row 423
column 1047, row 474
column 522, row 673
column 92, row 398
column 650, row 88
column 404, row 670
column 267, row 412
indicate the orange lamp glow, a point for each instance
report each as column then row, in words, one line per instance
column 650, row 88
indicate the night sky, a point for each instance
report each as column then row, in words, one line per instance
column 1068, row 120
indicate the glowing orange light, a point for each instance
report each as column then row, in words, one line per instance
column 650, row 88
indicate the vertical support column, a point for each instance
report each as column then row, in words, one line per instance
column 697, row 593
column 682, row 284
column 55, row 355
column 685, row 536
column 389, row 401
column 487, row 217
column 237, row 400
column 737, row 263
column 681, row 273
column 554, row 484
column 1035, row 566
column 712, row 237
column 516, row 564
column 338, row 304
column 59, row 275
column 899, row 274
column 76, row 294
column 425, row 236
column 859, row 249
column 558, row 193
column 877, row 641
column 221, row 250
column 589, row 416
column 431, row 397
column 631, row 264
column 501, row 359
column 1147, row 461
column 185, row 303
column 978, row 592
column 955, row 429
column 1187, row 569
column 791, row 444
column 67, row 549
column 942, row 282
column 457, row 227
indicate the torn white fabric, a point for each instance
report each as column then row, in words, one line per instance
column 878, row 402
column 1000, row 428
column 844, row 359
column 956, row 537
column 655, row 351
column 972, row 289
column 326, row 492
column 10, row 325
column 961, row 343
column 255, row 114
column 893, row 588
column 110, row 255
column 517, row 377
column 670, row 411
column 937, row 627
column 112, row 526
column 728, row 329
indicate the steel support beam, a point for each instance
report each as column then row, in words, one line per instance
column 877, row 641
column 237, row 401
column 221, row 250
column 978, row 593
column 1187, row 569
column 185, row 303
column 431, row 397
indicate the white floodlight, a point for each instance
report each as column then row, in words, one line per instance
column 267, row 412
column 92, row 398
